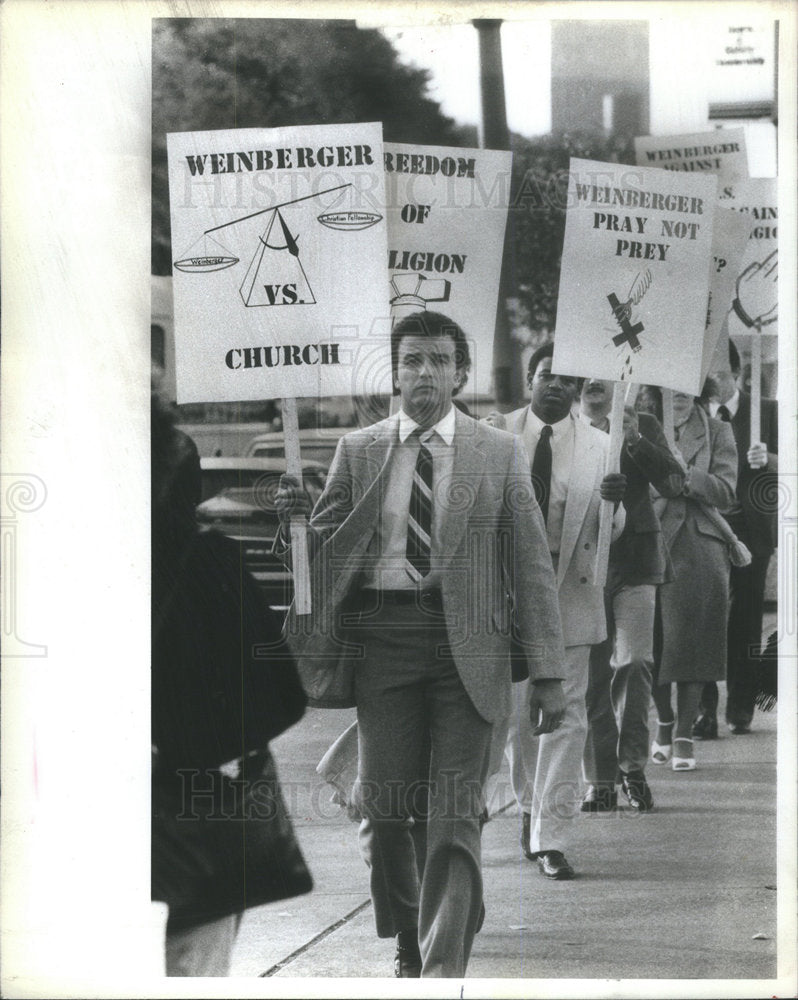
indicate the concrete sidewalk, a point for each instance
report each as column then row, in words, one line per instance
column 686, row 892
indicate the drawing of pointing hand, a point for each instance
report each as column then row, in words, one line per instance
column 757, row 292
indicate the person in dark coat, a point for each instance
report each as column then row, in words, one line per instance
column 223, row 684
column 690, row 628
column 752, row 517
column 619, row 684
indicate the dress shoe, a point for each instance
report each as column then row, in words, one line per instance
column 552, row 864
column 683, row 763
column 739, row 726
column 661, row 753
column 407, row 963
column 600, row 799
column 635, row 788
column 705, row 727
column 526, row 833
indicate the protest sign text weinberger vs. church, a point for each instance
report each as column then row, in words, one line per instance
column 279, row 270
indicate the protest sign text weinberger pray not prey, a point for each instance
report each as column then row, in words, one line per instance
column 635, row 275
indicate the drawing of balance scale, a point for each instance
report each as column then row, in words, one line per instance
column 275, row 276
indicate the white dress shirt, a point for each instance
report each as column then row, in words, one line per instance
column 732, row 404
column 562, row 453
column 389, row 544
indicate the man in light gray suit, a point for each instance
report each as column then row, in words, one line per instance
column 428, row 551
column 568, row 462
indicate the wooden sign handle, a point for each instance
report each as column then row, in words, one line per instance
column 667, row 418
column 299, row 537
column 756, row 386
column 613, row 464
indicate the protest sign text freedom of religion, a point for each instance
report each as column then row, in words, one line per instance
column 447, row 211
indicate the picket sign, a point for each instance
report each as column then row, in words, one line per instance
column 299, row 538
column 613, row 464
column 280, row 275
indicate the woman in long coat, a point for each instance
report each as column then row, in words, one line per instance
column 690, row 631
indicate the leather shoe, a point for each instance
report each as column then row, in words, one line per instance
column 635, row 788
column 705, row 727
column 407, row 962
column 526, row 834
column 600, row 799
column 739, row 728
column 552, row 864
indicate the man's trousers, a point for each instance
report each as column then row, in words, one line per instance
column 545, row 771
column 744, row 642
column 424, row 753
column 619, row 686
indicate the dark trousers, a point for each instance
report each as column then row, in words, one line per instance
column 424, row 752
column 744, row 643
column 619, row 686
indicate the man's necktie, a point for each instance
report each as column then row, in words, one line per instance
column 541, row 470
column 723, row 414
column 419, row 520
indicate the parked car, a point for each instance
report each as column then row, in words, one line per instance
column 316, row 444
column 238, row 500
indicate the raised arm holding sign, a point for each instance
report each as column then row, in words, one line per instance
column 280, row 277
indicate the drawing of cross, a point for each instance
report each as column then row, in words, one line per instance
column 628, row 332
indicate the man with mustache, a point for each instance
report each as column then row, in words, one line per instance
column 568, row 474
column 619, row 684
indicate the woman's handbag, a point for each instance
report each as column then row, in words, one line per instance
column 223, row 844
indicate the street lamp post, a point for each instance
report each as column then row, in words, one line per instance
column 494, row 134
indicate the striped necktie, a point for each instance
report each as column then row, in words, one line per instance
column 419, row 520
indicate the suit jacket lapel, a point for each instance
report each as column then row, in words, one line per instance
column 377, row 452
column 580, row 492
column 516, row 420
column 370, row 466
column 692, row 436
column 467, row 472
